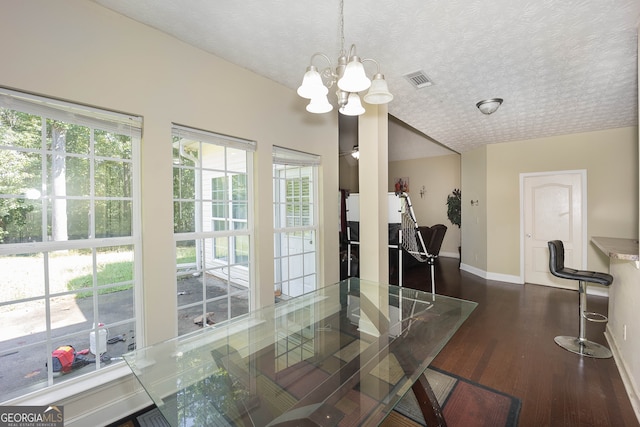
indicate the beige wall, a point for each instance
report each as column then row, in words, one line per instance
column 439, row 175
column 79, row 51
column 624, row 300
column 349, row 170
column 610, row 159
column 474, row 218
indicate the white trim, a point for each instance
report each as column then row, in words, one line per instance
column 473, row 270
column 201, row 135
column 52, row 246
column 106, row 404
column 288, row 156
column 71, row 112
column 195, row 235
column 623, row 369
column 508, row 278
column 71, row 387
column 499, row 277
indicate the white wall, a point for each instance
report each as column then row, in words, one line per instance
column 79, row 51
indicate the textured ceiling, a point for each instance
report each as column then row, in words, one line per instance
column 561, row 66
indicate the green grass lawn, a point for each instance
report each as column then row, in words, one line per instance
column 120, row 274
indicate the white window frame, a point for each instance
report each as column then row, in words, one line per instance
column 105, row 120
column 239, row 274
column 288, row 284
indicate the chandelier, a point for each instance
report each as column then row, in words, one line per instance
column 350, row 78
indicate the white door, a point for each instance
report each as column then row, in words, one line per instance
column 553, row 209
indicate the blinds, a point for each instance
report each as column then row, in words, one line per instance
column 212, row 138
column 287, row 156
column 71, row 113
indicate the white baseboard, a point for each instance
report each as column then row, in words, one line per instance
column 473, row 270
column 591, row 290
column 508, row 278
column 624, row 373
column 491, row 276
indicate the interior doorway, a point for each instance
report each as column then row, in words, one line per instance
column 553, row 207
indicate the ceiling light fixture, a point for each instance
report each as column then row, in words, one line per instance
column 489, row 106
column 350, row 77
column 355, row 153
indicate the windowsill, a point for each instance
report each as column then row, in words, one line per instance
column 73, row 387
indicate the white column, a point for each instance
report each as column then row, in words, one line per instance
column 373, row 143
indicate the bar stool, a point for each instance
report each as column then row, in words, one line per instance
column 579, row 345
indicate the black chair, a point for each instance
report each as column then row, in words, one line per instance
column 435, row 241
column 579, row 345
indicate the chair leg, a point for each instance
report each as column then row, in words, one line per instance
column 582, row 292
column 581, row 345
column 431, row 262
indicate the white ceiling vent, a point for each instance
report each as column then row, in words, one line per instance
column 419, row 79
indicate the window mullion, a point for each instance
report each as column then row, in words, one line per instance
column 43, row 179
column 47, row 302
column 92, row 187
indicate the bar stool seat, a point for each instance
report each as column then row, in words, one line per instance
column 579, row 345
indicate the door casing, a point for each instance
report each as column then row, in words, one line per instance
column 577, row 262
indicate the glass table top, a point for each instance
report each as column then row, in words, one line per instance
column 342, row 355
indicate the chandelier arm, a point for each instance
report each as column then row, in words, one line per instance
column 323, row 56
column 327, row 72
column 374, row 61
column 352, row 51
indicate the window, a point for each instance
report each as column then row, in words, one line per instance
column 212, row 177
column 295, row 221
column 68, row 238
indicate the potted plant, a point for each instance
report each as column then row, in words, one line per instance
column 454, row 211
column 454, row 207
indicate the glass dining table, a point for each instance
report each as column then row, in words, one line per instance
column 343, row 355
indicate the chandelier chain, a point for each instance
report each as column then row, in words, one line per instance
column 341, row 24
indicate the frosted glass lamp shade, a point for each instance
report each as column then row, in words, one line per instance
column 319, row 105
column 354, row 78
column 354, row 106
column 312, row 85
column 379, row 91
column 489, row 106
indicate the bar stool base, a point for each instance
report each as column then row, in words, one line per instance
column 583, row 348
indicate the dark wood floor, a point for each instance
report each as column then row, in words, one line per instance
column 507, row 344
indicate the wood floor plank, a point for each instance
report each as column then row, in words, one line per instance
column 507, row 344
